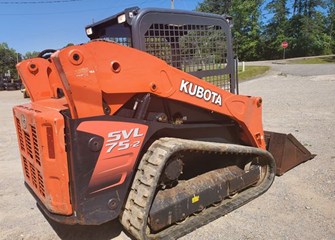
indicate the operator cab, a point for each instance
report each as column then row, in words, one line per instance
column 194, row 42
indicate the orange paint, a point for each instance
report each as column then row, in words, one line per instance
column 89, row 76
column 139, row 72
column 45, row 172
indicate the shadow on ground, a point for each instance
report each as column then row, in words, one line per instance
column 104, row 231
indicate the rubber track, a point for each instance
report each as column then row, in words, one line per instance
column 137, row 207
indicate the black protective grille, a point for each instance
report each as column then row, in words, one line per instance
column 222, row 81
column 125, row 41
column 197, row 43
column 191, row 48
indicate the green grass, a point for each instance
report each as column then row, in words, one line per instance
column 251, row 72
column 317, row 60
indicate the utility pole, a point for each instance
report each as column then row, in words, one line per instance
column 172, row 4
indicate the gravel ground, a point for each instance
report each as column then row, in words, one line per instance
column 299, row 205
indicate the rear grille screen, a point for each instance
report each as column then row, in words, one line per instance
column 19, row 132
column 36, row 150
column 26, row 168
column 28, row 144
column 31, row 157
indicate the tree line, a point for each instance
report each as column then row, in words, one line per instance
column 307, row 26
column 9, row 58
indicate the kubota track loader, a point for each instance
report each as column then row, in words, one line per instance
column 144, row 123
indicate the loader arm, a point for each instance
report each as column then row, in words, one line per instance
column 99, row 73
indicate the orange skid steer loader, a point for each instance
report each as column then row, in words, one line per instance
column 144, row 123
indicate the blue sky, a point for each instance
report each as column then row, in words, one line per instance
column 35, row 27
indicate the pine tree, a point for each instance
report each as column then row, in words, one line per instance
column 246, row 19
column 275, row 30
column 8, row 60
column 330, row 24
column 215, row 6
column 307, row 29
column 246, row 31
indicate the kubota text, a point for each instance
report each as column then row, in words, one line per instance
column 200, row 92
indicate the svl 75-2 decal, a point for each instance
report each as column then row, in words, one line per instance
column 124, row 139
column 122, row 143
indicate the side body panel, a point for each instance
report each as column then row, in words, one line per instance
column 101, row 154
